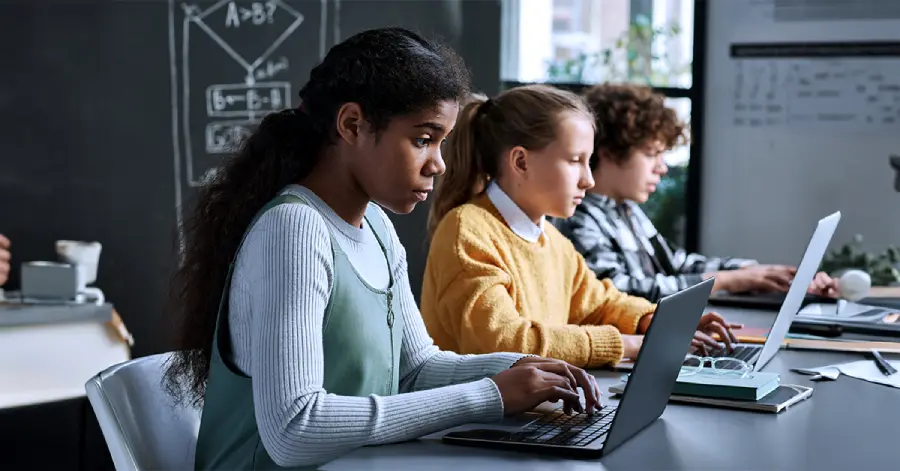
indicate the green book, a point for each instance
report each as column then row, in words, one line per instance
column 752, row 387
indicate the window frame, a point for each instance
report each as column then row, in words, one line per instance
column 696, row 93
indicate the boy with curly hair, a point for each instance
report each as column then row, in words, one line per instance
column 634, row 130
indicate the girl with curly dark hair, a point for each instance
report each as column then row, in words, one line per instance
column 301, row 337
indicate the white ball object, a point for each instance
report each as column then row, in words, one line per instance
column 854, row 285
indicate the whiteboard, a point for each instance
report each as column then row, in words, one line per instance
column 788, row 140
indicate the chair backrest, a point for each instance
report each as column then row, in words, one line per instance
column 143, row 426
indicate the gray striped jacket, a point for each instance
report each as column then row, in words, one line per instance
column 619, row 242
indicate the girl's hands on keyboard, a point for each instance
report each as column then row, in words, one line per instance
column 712, row 323
column 533, row 380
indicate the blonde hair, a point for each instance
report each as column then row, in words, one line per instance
column 524, row 116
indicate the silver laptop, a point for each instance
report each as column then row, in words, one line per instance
column 760, row 355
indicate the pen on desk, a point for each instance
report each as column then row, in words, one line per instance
column 883, row 365
column 840, row 306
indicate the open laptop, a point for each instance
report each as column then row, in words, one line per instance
column 645, row 397
column 760, row 355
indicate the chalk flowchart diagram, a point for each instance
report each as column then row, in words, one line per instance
column 230, row 66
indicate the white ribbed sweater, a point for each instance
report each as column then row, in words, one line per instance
column 282, row 281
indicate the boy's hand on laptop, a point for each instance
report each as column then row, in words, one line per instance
column 824, row 285
column 533, row 380
column 714, row 324
column 764, row 278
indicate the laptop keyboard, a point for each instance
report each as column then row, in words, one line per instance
column 741, row 352
column 559, row 429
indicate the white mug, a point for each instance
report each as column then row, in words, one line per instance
column 854, row 285
column 85, row 256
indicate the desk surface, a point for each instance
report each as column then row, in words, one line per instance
column 52, row 361
column 846, row 424
column 15, row 314
column 885, row 292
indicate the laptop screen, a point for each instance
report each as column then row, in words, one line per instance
column 659, row 362
column 806, row 271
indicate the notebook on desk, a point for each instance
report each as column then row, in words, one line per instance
column 854, row 318
column 783, row 397
column 643, row 399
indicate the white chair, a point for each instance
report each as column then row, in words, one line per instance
column 143, row 427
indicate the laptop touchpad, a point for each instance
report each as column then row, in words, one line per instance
column 521, row 420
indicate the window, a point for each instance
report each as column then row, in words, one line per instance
column 576, row 43
column 592, row 41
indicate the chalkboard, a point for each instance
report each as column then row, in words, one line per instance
column 112, row 112
column 233, row 63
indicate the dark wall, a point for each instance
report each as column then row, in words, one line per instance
column 85, row 119
column 91, row 127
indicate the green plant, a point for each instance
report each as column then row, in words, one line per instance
column 634, row 57
column 666, row 207
column 883, row 268
column 572, row 70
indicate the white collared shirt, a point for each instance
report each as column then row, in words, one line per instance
column 517, row 220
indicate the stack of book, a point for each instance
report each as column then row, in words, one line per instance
column 756, row 391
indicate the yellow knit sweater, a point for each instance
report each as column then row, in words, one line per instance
column 488, row 290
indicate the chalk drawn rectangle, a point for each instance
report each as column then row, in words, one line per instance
column 224, row 137
column 242, row 100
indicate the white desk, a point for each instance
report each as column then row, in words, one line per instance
column 846, row 424
column 50, row 362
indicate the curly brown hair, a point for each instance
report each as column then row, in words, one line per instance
column 629, row 117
